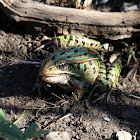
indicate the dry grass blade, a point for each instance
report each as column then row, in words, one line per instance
column 99, row 98
column 18, row 61
column 132, row 74
column 56, row 96
column 132, row 54
column 57, row 120
column 20, row 117
column 134, row 96
column 40, row 109
column 42, row 46
column 4, row 65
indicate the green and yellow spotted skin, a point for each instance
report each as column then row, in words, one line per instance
column 113, row 73
column 78, row 66
column 66, row 41
column 80, row 61
column 101, row 80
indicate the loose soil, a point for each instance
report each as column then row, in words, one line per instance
column 85, row 121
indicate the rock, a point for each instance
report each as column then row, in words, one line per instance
column 107, row 119
column 45, row 38
column 113, row 57
column 29, row 45
column 123, row 135
column 58, row 136
column 106, row 46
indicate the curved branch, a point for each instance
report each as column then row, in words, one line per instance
column 117, row 25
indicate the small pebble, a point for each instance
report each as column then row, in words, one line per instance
column 19, row 46
column 29, row 45
column 58, row 136
column 23, row 129
column 123, row 135
column 113, row 57
column 106, row 46
column 72, row 122
column 45, row 38
column 107, row 119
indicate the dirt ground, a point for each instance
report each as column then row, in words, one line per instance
column 82, row 121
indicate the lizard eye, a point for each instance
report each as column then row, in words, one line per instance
column 62, row 66
column 50, row 68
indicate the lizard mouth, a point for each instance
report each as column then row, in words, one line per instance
column 60, row 79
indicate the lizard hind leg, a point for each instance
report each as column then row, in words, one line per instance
column 113, row 73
